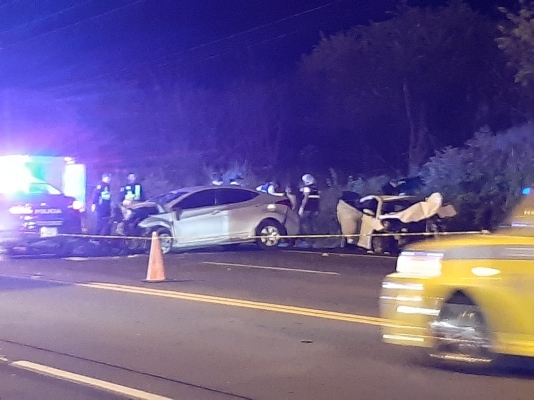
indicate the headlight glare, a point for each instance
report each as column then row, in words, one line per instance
column 419, row 263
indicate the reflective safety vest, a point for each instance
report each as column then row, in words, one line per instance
column 264, row 188
column 132, row 192
column 102, row 199
column 313, row 198
column 102, row 194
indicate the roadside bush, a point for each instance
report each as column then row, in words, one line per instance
column 367, row 186
column 233, row 170
column 484, row 179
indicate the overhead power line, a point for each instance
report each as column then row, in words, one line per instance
column 94, row 17
column 8, row 4
column 164, row 60
column 48, row 16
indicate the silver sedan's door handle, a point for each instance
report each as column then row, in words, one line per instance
column 215, row 212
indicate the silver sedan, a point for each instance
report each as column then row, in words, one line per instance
column 225, row 215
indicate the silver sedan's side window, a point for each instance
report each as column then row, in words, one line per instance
column 233, row 196
column 205, row 198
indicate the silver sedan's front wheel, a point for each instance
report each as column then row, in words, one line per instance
column 165, row 240
column 269, row 235
column 461, row 336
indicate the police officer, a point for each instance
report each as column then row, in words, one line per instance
column 309, row 208
column 217, row 180
column 271, row 187
column 132, row 191
column 236, row 181
column 101, row 205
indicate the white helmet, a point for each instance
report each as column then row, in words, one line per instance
column 308, row 179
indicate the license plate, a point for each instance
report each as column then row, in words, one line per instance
column 48, row 232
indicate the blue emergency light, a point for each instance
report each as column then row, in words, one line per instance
column 526, row 191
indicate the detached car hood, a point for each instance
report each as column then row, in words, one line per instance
column 422, row 210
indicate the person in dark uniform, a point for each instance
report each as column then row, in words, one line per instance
column 217, row 180
column 309, row 208
column 129, row 194
column 132, row 191
column 101, row 205
column 237, row 181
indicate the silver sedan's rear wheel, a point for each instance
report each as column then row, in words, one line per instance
column 461, row 335
column 269, row 234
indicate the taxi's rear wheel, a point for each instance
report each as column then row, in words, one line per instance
column 460, row 335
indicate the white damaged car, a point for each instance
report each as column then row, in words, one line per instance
column 398, row 218
column 211, row 216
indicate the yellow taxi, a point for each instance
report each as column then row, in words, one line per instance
column 466, row 299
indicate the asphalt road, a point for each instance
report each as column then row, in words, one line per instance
column 228, row 325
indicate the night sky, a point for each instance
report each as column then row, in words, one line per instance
column 74, row 74
column 58, row 44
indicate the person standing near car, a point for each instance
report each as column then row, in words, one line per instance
column 101, row 205
column 131, row 192
column 309, row 207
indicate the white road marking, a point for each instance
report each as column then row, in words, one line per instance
column 307, row 271
column 103, row 258
column 341, row 254
column 85, row 380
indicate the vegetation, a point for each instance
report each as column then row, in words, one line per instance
column 484, row 178
column 426, row 75
column 517, row 41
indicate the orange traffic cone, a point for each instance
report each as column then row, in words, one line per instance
column 156, row 269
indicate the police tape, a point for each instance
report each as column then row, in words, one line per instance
column 270, row 236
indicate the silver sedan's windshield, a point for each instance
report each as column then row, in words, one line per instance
column 166, row 198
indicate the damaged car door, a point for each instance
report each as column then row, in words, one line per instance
column 198, row 220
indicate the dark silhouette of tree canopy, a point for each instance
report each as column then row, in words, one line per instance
column 517, row 41
column 424, row 79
